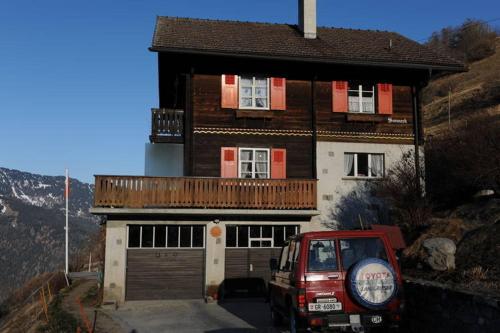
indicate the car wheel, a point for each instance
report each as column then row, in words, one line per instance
column 276, row 318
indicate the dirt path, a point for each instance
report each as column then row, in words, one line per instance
column 104, row 323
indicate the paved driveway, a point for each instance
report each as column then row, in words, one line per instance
column 239, row 316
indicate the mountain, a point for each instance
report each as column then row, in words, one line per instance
column 475, row 95
column 32, row 219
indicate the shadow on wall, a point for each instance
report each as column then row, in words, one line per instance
column 357, row 209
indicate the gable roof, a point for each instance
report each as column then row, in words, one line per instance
column 284, row 41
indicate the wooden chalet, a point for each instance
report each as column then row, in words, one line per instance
column 260, row 129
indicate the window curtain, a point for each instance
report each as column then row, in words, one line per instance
column 349, row 164
column 377, row 165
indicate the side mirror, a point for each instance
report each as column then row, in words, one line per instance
column 273, row 264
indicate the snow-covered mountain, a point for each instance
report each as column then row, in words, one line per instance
column 46, row 191
column 32, row 219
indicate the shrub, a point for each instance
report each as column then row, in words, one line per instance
column 403, row 191
column 462, row 162
column 400, row 190
column 59, row 319
column 473, row 40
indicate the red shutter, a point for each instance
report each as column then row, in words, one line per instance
column 229, row 91
column 278, row 93
column 278, row 163
column 339, row 96
column 229, row 162
column 384, row 98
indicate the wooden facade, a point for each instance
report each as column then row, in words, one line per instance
column 308, row 117
column 191, row 113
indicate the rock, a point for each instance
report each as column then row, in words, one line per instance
column 441, row 253
column 484, row 193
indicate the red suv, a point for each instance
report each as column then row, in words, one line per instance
column 344, row 280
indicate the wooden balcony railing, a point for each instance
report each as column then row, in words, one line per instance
column 187, row 192
column 167, row 125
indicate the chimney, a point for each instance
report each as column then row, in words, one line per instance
column 307, row 18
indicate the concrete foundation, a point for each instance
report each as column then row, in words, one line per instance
column 116, row 252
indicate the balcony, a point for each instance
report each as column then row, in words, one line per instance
column 216, row 193
column 167, row 126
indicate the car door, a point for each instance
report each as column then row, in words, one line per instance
column 324, row 279
column 283, row 283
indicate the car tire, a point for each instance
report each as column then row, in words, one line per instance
column 276, row 318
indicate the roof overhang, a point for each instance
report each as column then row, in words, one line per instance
column 329, row 61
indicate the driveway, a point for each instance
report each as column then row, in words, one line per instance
column 239, row 316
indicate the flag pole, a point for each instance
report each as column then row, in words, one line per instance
column 66, row 194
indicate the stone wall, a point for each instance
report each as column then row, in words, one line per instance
column 434, row 307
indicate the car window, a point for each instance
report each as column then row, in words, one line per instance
column 295, row 254
column 289, row 260
column 284, row 257
column 322, row 255
column 356, row 249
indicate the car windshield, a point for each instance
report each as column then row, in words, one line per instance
column 356, row 249
column 322, row 255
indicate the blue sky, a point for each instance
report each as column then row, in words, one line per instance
column 77, row 81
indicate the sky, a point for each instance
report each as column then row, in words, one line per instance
column 77, row 81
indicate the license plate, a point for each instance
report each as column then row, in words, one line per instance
column 325, row 307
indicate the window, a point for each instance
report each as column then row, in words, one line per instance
column 284, row 257
column 356, row 249
column 296, row 253
column 254, row 163
column 259, row 235
column 322, row 255
column 254, row 92
column 134, row 236
column 361, row 98
column 364, row 165
column 166, row 236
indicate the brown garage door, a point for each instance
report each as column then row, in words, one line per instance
column 154, row 274
column 250, row 262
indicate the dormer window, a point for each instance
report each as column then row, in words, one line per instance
column 254, row 92
column 361, row 98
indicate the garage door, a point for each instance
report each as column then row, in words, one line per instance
column 249, row 249
column 166, row 262
column 164, row 274
column 250, row 263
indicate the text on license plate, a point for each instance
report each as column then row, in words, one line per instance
column 325, row 306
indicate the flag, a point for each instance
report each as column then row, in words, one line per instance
column 66, row 187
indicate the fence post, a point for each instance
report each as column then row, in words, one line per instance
column 44, row 304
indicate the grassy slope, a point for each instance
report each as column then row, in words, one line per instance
column 475, row 93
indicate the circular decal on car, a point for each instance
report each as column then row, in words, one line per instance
column 373, row 283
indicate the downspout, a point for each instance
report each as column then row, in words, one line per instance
column 314, row 132
column 416, row 138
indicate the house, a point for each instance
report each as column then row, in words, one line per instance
column 260, row 128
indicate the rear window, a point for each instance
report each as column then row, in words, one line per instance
column 322, row 256
column 356, row 249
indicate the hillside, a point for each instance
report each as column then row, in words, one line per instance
column 474, row 94
column 32, row 224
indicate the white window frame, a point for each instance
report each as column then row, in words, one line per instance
column 253, row 107
column 369, row 166
column 250, row 239
column 360, row 91
column 254, row 150
column 166, row 236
